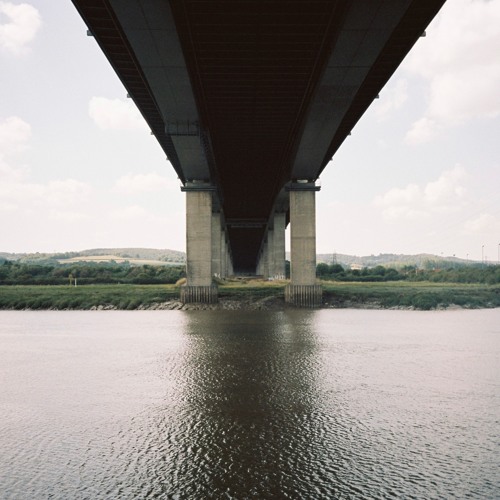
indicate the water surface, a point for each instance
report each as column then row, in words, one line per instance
column 225, row 404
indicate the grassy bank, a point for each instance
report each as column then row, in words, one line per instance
column 422, row 295
column 418, row 295
column 84, row 297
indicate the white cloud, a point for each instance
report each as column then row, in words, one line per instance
column 23, row 22
column 14, row 135
column 116, row 114
column 67, row 216
column 144, row 183
column 7, row 207
column 448, row 188
column 55, row 213
column 485, row 223
column 16, row 189
column 133, row 212
column 391, row 99
column 423, row 130
column 66, row 192
column 459, row 59
column 444, row 195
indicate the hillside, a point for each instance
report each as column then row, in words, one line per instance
column 133, row 255
column 157, row 256
column 387, row 260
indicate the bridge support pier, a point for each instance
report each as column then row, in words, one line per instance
column 223, row 254
column 216, row 246
column 263, row 265
column 199, row 287
column 303, row 290
column 272, row 258
column 277, row 249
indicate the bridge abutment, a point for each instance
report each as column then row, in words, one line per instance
column 303, row 290
column 200, row 245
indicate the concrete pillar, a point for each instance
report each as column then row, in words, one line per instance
column 303, row 290
column 230, row 269
column 270, row 253
column 216, row 246
column 223, row 254
column 278, row 257
column 199, row 286
column 263, row 266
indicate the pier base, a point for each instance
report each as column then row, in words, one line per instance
column 199, row 294
column 304, row 295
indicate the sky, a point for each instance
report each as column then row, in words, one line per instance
column 79, row 168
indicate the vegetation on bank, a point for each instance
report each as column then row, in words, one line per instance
column 15, row 273
column 85, row 297
column 435, row 272
column 91, row 273
column 126, row 286
column 421, row 295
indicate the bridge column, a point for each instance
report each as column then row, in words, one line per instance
column 270, row 253
column 230, row 269
column 199, row 287
column 277, row 251
column 303, row 290
column 223, row 254
column 216, row 245
column 263, row 266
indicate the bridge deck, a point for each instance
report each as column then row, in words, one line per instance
column 251, row 95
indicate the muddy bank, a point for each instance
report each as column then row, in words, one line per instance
column 267, row 304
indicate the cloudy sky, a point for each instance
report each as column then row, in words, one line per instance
column 79, row 168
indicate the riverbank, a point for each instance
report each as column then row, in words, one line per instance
column 251, row 295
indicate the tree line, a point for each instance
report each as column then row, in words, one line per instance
column 14, row 273
column 477, row 273
column 19, row 273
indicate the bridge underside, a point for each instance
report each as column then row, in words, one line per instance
column 251, row 96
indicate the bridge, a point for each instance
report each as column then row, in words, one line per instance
column 250, row 100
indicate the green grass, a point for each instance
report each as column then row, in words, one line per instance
column 421, row 295
column 84, row 297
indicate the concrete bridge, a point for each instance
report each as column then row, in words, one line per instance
column 250, row 99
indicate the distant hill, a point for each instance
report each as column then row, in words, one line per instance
column 156, row 256
column 132, row 255
column 386, row 259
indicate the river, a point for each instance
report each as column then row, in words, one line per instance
column 229, row 404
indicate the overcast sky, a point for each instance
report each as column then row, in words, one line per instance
column 79, row 168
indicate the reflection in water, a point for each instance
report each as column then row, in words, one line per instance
column 252, row 388
column 243, row 419
column 296, row 404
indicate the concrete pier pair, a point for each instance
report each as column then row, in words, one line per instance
column 209, row 253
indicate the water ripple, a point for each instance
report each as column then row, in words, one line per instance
column 261, row 405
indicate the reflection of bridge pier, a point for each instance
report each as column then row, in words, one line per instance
column 248, row 407
column 249, row 100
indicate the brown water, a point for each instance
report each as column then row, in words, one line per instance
column 200, row 404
